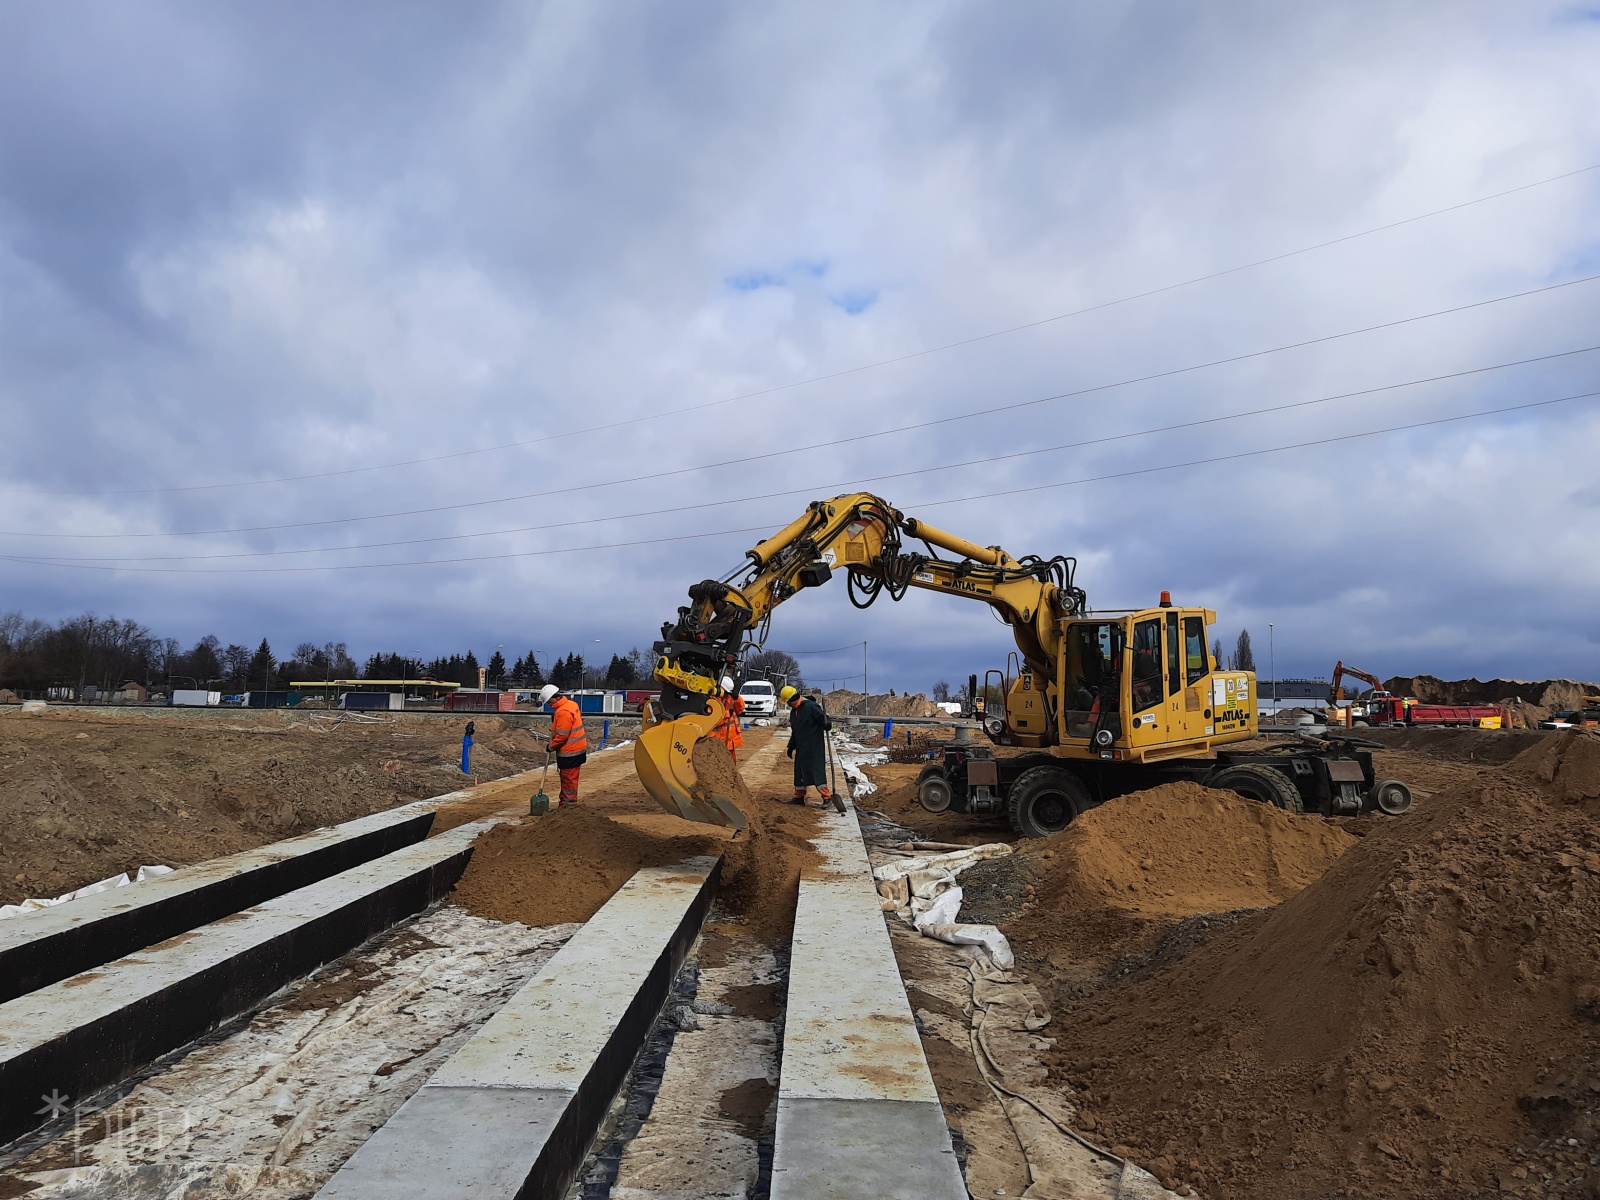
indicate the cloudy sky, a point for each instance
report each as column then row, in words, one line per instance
column 569, row 300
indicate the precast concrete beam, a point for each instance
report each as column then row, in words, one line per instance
column 514, row 1112
column 858, row 1115
column 77, row 1036
column 44, row 947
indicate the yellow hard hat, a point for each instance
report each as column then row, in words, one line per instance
column 787, row 694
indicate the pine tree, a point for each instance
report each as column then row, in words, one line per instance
column 262, row 665
column 497, row 667
column 1243, row 659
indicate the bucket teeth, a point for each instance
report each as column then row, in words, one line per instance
column 664, row 759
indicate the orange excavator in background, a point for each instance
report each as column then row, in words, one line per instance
column 1336, row 692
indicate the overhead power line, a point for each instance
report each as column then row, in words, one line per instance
column 812, row 489
column 925, row 504
column 835, row 442
column 847, row 371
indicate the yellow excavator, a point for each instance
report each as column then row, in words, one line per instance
column 1096, row 703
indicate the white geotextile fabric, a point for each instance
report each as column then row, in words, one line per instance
column 88, row 889
column 851, row 757
column 925, row 892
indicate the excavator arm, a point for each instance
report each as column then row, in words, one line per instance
column 863, row 536
column 1336, row 692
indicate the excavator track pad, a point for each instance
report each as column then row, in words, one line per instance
column 664, row 759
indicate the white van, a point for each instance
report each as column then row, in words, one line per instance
column 760, row 698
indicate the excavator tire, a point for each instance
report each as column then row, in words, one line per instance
column 1259, row 783
column 1044, row 800
column 934, row 791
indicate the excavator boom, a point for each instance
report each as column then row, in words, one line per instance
column 863, row 536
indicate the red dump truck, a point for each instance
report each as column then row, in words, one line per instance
column 1393, row 710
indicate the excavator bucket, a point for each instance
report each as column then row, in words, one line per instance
column 664, row 759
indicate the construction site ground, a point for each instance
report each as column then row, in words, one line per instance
column 88, row 793
column 1247, row 1002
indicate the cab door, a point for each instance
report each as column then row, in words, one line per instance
column 1149, row 724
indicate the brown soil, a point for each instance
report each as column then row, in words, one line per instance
column 716, row 774
column 85, row 795
column 1415, row 1023
column 1545, row 693
column 747, row 1104
column 1181, row 849
column 564, row 866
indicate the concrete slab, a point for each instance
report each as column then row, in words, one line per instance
column 77, row 1036
column 49, row 945
column 858, row 1114
column 513, row 1113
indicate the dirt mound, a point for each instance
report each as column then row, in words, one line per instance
column 1546, row 693
column 564, row 866
column 7, row 696
column 1389, row 1031
column 1568, row 765
column 859, row 704
column 1181, row 849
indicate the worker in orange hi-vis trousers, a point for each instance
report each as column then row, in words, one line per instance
column 728, row 728
column 568, row 740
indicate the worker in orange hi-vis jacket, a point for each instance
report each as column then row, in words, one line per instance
column 568, row 740
column 728, row 728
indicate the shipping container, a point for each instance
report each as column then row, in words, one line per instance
column 481, row 702
column 597, row 703
column 271, row 699
column 194, row 698
column 372, row 701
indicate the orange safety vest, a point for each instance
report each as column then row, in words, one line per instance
column 567, row 735
column 728, row 728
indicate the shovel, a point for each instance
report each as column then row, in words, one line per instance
column 540, row 804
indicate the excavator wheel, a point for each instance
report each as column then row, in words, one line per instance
column 1043, row 801
column 1391, row 796
column 1259, row 783
column 934, row 792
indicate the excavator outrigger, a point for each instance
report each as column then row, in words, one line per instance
column 1107, row 702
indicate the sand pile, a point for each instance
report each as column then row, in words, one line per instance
column 564, row 866
column 1567, row 765
column 1546, row 693
column 1406, row 1026
column 1181, row 849
column 847, row 703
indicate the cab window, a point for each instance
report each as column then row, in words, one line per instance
column 1194, row 649
column 1094, row 656
column 1147, row 690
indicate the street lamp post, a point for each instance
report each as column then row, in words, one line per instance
column 1272, row 661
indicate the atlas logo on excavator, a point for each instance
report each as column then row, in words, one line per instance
column 1111, row 685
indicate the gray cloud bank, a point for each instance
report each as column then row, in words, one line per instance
column 240, row 244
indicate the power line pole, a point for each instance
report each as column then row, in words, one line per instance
column 864, row 688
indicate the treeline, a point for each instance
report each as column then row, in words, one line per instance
column 106, row 652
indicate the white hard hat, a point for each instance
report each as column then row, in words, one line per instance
column 727, row 683
column 546, row 692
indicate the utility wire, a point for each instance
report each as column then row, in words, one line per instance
column 834, row 442
column 814, row 488
column 915, row 354
column 1196, row 462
